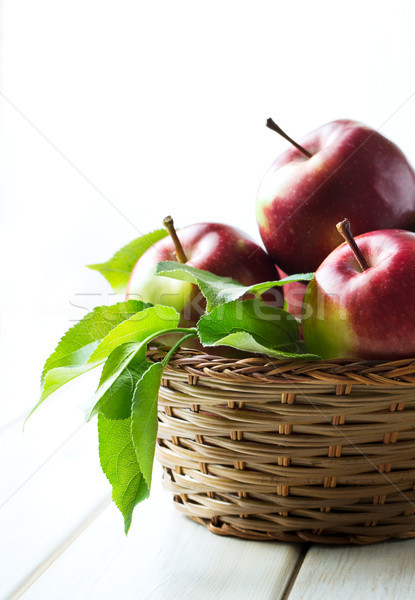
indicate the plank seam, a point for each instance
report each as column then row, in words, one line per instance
column 41, row 466
column 290, row 584
column 55, row 554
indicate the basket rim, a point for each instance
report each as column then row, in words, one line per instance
column 262, row 370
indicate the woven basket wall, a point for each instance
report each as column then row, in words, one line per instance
column 295, row 451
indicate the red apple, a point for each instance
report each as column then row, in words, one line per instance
column 368, row 311
column 214, row 247
column 350, row 170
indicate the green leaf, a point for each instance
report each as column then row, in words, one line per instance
column 245, row 341
column 78, row 343
column 144, row 418
column 266, row 322
column 131, row 476
column 219, row 290
column 72, row 355
column 117, row 269
column 119, row 463
column 122, row 369
column 269, row 325
column 126, row 346
column 252, row 326
column 137, row 328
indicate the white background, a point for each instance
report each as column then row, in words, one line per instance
column 114, row 114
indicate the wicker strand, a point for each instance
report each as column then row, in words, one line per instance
column 388, row 438
column 320, row 451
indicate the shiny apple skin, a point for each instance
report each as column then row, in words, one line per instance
column 350, row 313
column 354, row 172
column 215, row 247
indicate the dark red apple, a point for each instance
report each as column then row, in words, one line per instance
column 366, row 310
column 343, row 168
column 214, row 247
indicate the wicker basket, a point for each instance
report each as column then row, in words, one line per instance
column 318, row 451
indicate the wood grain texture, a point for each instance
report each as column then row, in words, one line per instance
column 384, row 571
column 166, row 556
column 48, row 510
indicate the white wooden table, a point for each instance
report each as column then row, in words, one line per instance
column 61, row 537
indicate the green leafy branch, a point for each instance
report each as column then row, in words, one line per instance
column 117, row 337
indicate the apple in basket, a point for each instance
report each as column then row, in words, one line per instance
column 214, row 247
column 340, row 168
column 361, row 302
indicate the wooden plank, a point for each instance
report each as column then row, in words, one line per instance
column 165, row 556
column 379, row 572
column 49, row 509
column 42, row 437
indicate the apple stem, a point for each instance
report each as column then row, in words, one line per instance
column 169, row 225
column 344, row 229
column 272, row 125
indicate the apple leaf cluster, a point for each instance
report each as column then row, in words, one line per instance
column 117, row 337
